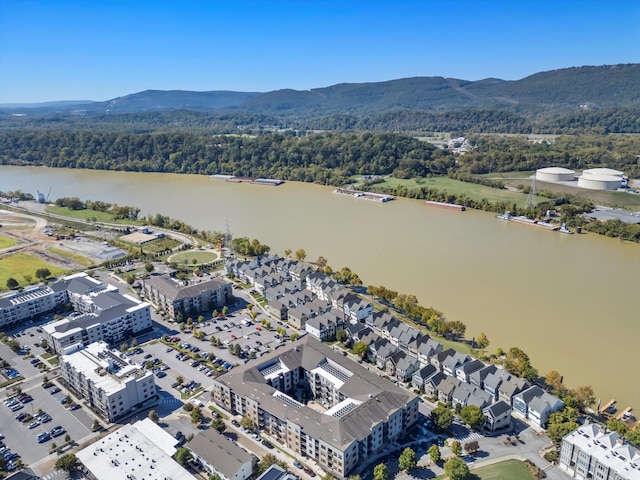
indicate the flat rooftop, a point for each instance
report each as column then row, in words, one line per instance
column 140, row 451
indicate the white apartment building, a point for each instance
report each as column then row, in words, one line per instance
column 108, row 380
column 591, row 451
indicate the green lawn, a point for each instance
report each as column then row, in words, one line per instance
column 187, row 258
column 21, row 264
column 599, row 197
column 472, row 190
column 161, row 244
column 509, row 469
column 90, row 215
column 6, row 242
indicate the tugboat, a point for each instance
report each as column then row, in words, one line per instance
column 563, row 229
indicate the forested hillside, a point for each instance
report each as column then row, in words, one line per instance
column 321, row 158
column 603, row 99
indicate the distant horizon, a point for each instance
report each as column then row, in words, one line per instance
column 80, row 101
column 73, row 49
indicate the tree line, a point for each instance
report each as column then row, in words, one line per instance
column 329, row 158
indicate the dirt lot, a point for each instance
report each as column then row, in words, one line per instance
column 33, row 237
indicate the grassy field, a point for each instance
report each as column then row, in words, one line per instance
column 509, row 469
column 6, row 242
column 200, row 257
column 21, row 264
column 81, row 259
column 599, row 197
column 472, row 190
column 90, row 215
column 160, row 245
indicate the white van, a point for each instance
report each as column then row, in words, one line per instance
column 197, row 402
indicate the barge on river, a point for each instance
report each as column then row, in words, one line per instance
column 376, row 197
column 534, row 223
column 450, row 206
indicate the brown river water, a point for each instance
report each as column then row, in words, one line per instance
column 567, row 300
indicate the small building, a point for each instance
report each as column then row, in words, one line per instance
column 497, row 416
column 276, row 472
column 218, row 455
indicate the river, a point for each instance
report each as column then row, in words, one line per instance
column 567, row 300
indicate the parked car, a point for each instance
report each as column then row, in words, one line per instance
column 43, row 437
column 54, row 391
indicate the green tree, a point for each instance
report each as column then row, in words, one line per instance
column 381, row 472
column 123, row 347
column 585, row 396
column 301, row 254
column 179, row 379
column 246, row 422
column 321, row 263
column 360, row 349
column 196, row 416
column 407, row 460
column 456, row 448
column 354, row 477
column 149, row 267
column 96, row 426
column 482, row 341
column 67, row 463
column 472, row 415
column 183, row 456
column 556, row 431
column 12, row 283
column 14, row 345
column 341, row 335
column 268, row 460
column 218, row 424
column 153, row 416
column 434, row 453
column 28, row 278
column 225, row 311
column 130, row 278
column 287, row 252
column 456, row 469
column 43, row 273
column 442, row 417
column 553, row 379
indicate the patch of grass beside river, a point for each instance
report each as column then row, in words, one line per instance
column 90, row 215
column 445, row 184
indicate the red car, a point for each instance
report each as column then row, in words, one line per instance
column 234, row 337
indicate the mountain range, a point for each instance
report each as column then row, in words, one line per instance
column 552, row 92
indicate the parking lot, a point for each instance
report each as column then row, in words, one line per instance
column 23, row 440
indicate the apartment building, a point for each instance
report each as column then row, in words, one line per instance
column 172, row 296
column 111, row 383
column 357, row 413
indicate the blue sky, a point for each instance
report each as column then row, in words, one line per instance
column 97, row 50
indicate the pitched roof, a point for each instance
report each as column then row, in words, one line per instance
column 219, row 451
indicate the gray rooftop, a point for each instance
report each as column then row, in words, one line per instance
column 219, row 451
column 379, row 397
column 174, row 291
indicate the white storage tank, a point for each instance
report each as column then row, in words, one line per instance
column 601, row 179
column 555, row 174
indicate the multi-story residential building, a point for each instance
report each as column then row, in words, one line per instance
column 111, row 383
column 15, row 308
column 108, row 316
column 591, row 451
column 362, row 412
column 173, row 297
